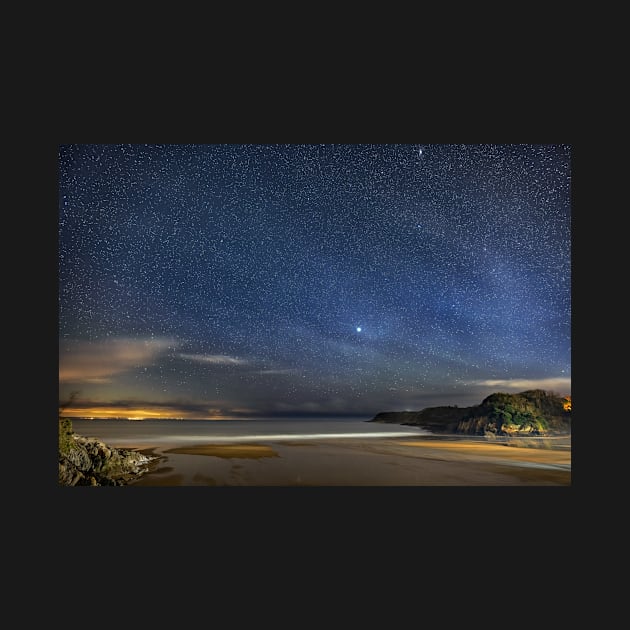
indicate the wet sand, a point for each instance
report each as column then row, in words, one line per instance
column 363, row 462
column 237, row 451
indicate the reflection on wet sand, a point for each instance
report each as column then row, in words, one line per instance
column 502, row 451
column 241, row 451
column 362, row 462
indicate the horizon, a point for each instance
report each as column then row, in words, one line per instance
column 217, row 282
column 115, row 413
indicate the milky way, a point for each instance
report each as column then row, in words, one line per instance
column 261, row 280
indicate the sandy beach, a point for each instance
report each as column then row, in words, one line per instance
column 441, row 461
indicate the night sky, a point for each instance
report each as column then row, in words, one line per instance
column 247, row 280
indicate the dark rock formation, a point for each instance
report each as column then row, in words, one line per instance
column 436, row 419
column 533, row 412
column 90, row 462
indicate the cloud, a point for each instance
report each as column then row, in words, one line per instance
column 215, row 359
column 558, row 383
column 83, row 361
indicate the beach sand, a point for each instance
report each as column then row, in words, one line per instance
column 363, row 462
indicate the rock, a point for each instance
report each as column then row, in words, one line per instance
column 90, row 462
column 532, row 412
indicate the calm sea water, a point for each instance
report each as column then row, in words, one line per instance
column 147, row 433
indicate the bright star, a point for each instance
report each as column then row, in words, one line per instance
column 358, row 328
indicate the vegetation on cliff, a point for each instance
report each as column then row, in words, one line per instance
column 532, row 412
column 66, row 439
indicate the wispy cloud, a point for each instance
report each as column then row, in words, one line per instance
column 215, row 359
column 558, row 383
column 83, row 361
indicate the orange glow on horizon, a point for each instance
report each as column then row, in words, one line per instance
column 134, row 413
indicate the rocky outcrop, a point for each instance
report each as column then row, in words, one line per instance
column 90, row 462
column 435, row 419
column 529, row 413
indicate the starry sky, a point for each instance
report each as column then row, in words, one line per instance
column 310, row 280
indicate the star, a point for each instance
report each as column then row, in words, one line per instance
column 254, row 260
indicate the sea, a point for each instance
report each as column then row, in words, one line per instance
column 159, row 433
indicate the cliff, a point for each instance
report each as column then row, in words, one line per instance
column 532, row 412
column 90, row 462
